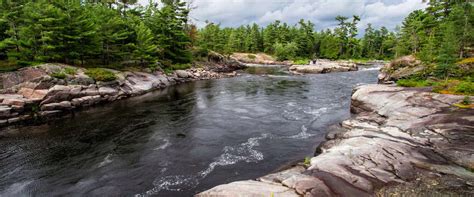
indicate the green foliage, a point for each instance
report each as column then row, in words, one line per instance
column 70, row 71
column 413, row 83
column 100, row 74
column 307, row 161
column 59, row 75
column 301, row 61
column 285, row 51
column 465, row 87
column 105, row 33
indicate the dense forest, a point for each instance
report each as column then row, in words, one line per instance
column 111, row 33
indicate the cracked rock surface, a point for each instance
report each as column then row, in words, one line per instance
column 400, row 141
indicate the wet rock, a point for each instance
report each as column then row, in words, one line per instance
column 107, row 91
column 5, row 112
column 86, row 101
column 65, row 105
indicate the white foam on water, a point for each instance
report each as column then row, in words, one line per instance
column 107, row 160
column 231, row 155
column 301, row 135
column 165, row 145
column 16, row 189
column 316, row 112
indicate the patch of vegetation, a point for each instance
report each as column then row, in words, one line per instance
column 414, row 83
column 301, row 62
column 59, row 75
column 70, row 70
column 7, row 66
column 453, row 86
column 466, row 61
column 307, row 161
column 100, row 74
column 252, row 56
column 466, row 103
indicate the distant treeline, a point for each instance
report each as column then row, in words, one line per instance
column 115, row 33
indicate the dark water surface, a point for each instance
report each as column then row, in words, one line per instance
column 178, row 141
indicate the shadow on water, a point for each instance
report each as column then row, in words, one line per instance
column 178, row 141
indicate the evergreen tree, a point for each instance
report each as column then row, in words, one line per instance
column 145, row 50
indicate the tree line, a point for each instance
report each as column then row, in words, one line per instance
column 94, row 32
column 301, row 40
column 120, row 33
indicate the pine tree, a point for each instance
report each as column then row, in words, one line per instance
column 145, row 50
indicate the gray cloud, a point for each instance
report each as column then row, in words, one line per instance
column 231, row 13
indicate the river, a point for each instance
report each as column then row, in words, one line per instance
column 180, row 140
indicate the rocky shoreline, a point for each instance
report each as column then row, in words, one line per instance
column 400, row 141
column 35, row 95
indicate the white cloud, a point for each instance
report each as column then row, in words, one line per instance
column 233, row 13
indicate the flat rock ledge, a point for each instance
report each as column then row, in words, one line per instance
column 32, row 95
column 324, row 66
column 399, row 142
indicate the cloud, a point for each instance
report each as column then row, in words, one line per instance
column 232, row 13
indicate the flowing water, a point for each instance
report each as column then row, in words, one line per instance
column 181, row 140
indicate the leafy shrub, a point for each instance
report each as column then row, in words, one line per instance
column 70, row 71
column 465, row 87
column 59, row 75
column 251, row 56
column 100, row 74
column 285, row 51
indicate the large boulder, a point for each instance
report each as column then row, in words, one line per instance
column 183, row 74
column 400, row 68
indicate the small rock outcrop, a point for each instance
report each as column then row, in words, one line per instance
column 324, row 66
column 400, row 68
column 400, row 141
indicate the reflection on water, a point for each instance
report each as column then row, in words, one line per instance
column 178, row 141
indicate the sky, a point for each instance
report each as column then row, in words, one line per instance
column 232, row 13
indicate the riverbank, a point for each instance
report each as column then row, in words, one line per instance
column 37, row 94
column 400, row 141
